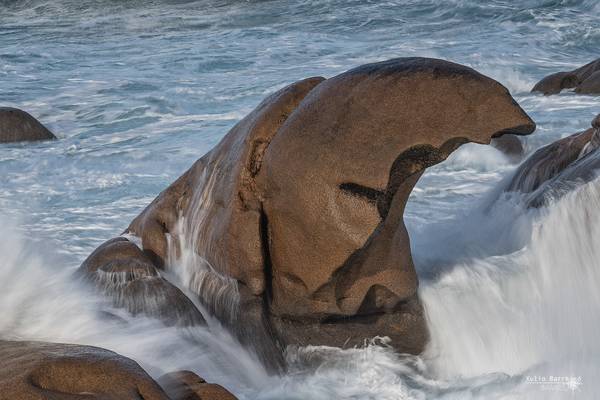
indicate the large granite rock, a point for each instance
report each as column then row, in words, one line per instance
column 18, row 126
column 36, row 371
column 336, row 179
column 300, row 205
column 221, row 202
column 585, row 80
column 559, row 167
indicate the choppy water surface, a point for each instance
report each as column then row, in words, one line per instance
column 138, row 90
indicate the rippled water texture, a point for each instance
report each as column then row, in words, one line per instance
column 138, row 90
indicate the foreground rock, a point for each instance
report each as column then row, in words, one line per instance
column 36, row 370
column 18, row 126
column 585, row 80
column 120, row 270
column 186, row 385
column 557, row 168
column 300, row 206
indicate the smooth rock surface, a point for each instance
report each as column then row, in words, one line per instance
column 301, row 203
column 51, row 371
column 337, row 177
column 19, row 126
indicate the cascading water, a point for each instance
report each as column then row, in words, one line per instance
column 495, row 321
column 218, row 292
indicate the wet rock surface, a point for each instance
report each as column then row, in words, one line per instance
column 559, row 167
column 19, row 126
column 37, row 370
column 121, row 271
column 584, row 80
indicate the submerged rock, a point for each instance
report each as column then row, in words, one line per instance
column 186, row 385
column 18, row 126
column 557, row 168
column 300, row 205
column 510, row 146
column 120, row 270
column 585, row 80
column 37, row 370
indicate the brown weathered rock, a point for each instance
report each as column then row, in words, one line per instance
column 510, row 146
column 186, row 385
column 558, row 167
column 222, row 205
column 120, row 270
column 337, row 177
column 300, row 205
column 39, row 371
column 18, row 126
column 585, row 80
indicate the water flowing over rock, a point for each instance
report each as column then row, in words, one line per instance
column 120, row 270
column 585, row 80
column 18, row 126
column 290, row 230
column 37, row 370
column 559, row 167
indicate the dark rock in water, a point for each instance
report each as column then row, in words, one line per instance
column 37, row 370
column 585, row 80
column 120, row 270
column 509, row 145
column 300, row 205
column 591, row 85
column 555, row 83
column 559, row 167
column 18, row 126
column 548, row 162
column 186, row 385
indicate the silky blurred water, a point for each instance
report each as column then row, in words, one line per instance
column 138, row 90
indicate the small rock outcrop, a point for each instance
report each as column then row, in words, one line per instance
column 121, row 271
column 37, row 370
column 510, row 146
column 585, row 80
column 18, row 126
column 557, row 168
column 186, row 385
column 300, row 206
